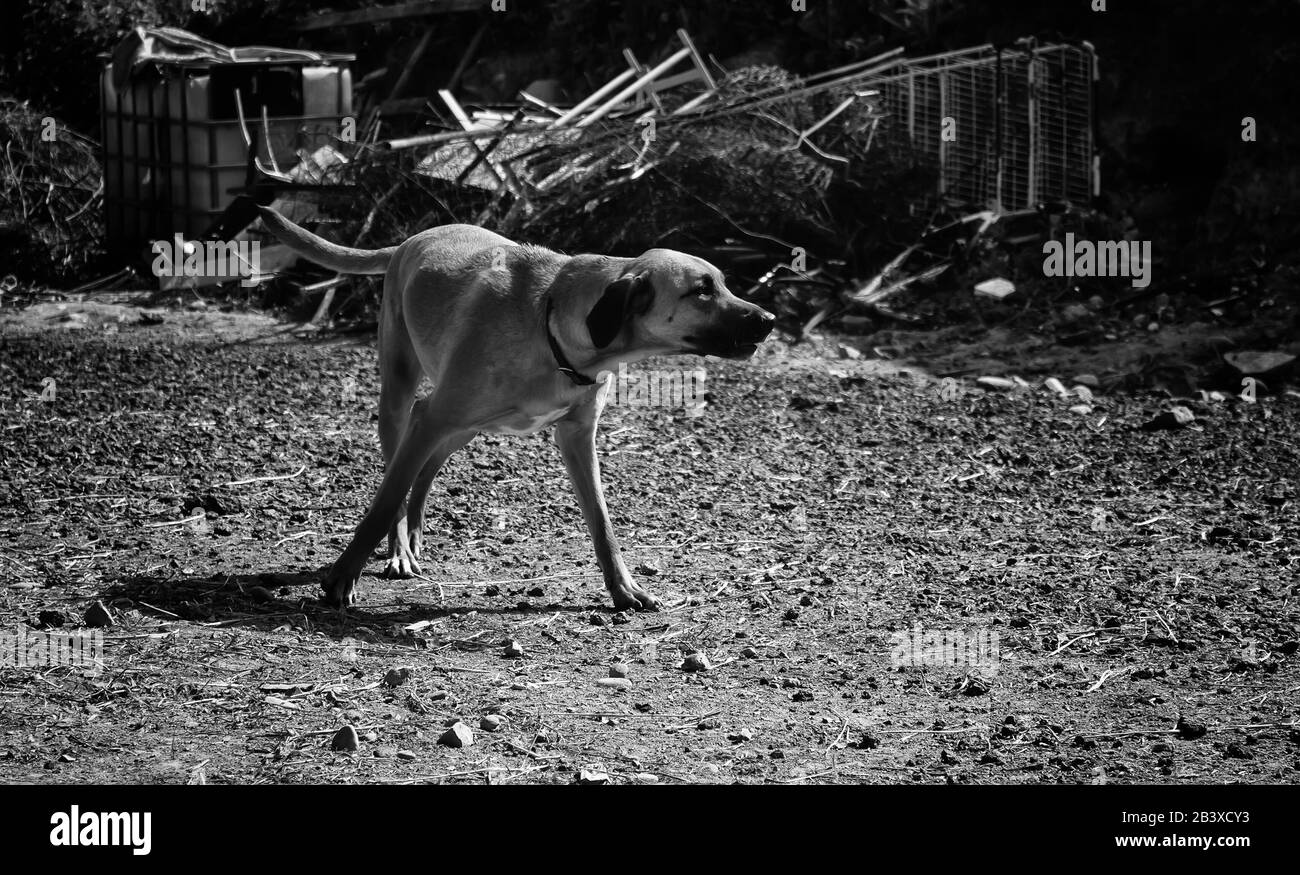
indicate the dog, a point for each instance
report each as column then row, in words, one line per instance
column 514, row 338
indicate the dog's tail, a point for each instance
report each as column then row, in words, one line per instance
column 341, row 258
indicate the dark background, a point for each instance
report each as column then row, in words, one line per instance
column 1178, row 76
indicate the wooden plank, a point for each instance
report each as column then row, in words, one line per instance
column 641, row 81
column 413, row 9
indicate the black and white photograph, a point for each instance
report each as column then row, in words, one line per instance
column 872, row 394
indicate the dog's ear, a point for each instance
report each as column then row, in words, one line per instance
column 624, row 298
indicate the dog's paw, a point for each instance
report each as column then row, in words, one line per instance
column 340, row 587
column 636, row 598
column 405, row 563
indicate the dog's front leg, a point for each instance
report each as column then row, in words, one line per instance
column 577, row 441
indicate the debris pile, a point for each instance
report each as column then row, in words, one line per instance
column 51, row 195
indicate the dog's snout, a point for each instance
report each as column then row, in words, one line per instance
column 758, row 322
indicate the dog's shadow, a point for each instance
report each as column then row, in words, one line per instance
column 267, row 601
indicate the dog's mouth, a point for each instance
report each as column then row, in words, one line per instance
column 723, row 348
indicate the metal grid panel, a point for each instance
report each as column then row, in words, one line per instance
column 1023, row 122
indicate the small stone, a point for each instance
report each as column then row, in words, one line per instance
column 459, row 735
column 777, row 754
column 491, row 590
column 709, row 723
column 990, row 759
column 697, row 661
column 791, row 615
column 742, row 734
column 537, row 591
column 1236, row 751
column 98, row 616
column 513, row 650
column 51, row 619
column 345, row 739
column 395, row 677
column 598, row 619
column 385, row 752
column 1189, row 729
column 618, row 670
column 621, row 617
column 1000, row 384
column 1174, row 418
column 371, row 736
column 614, row 683
column 749, row 653
column 849, row 352
column 490, row 722
column 1081, row 409
column 592, row 777
column 1089, row 380
column 867, row 741
column 948, row 757
column 406, row 755
column 1056, row 386
column 647, row 569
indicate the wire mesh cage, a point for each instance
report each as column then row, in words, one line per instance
column 1006, row 128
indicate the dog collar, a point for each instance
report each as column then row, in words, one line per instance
column 564, row 367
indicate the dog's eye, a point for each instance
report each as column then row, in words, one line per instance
column 706, row 288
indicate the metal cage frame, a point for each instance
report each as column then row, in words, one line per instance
column 1006, row 128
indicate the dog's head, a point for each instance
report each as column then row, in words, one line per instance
column 669, row 302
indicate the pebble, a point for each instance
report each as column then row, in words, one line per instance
column 1056, row 386
column 51, row 619
column 1089, row 380
column 459, row 735
column 618, row 670
column 406, row 755
column 591, row 777
column 1173, row 418
column 345, row 739
column 513, row 650
column 697, row 661
column 490, row 722
column 614, row 683
column 1190, row 728
column 395, row 677
column 98, row 616
column 749, row 653
column 998, row 383
column 742, row 734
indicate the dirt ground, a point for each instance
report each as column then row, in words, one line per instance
column 195, row 470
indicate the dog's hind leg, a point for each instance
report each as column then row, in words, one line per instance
column 427, row 437
column 399, row 378
column 420, row 491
